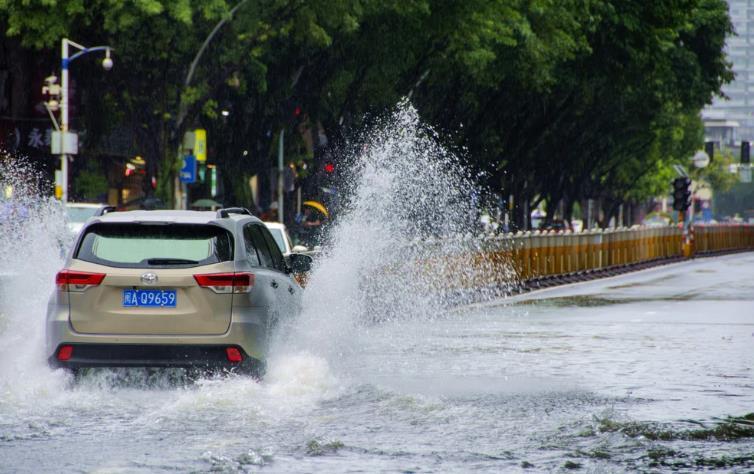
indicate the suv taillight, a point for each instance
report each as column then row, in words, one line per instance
column 71, row 280
column 226, row 282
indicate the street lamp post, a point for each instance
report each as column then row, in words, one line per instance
column 65, row 61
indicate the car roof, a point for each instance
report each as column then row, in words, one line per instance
column 84, row 204
column 177, row 216
column 274, row 225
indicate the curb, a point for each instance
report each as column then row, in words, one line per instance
column 589, row 275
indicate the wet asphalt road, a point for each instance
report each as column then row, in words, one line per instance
column 650, row 371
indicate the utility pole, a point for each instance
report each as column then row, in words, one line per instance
column 67, row 142
column 64, row 61
column 281, row 180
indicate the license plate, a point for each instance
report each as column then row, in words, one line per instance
column 150, row 298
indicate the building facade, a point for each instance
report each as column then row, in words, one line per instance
column 728, row 121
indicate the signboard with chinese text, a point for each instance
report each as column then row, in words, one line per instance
column 187, row 174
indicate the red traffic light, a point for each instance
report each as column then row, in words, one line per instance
column 329, row 168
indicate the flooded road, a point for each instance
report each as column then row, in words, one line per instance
column 647, row 371
column 650, row 371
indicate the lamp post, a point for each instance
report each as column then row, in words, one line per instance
column 66, row 143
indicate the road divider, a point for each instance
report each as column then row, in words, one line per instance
column 713, row 239
column 537, row 259
column 521, row 261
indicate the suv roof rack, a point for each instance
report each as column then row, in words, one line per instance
column 223, row 213
column 104, row 210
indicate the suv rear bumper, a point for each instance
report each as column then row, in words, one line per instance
column 247, row 330
column 209, row 357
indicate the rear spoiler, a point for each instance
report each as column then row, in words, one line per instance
column 223, row 213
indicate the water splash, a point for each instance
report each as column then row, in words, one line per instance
column 404, row 244
column 32, row 240
column 403, row 248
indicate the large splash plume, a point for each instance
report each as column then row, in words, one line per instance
column 404, row 244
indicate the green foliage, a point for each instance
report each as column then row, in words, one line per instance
column 91, row 182
column 551, row 100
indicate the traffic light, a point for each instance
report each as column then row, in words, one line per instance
column 709, row 148
column 51, row 90
column 329, row 167
column 745, row 156
column 681, row 194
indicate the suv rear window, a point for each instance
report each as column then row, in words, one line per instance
column 149, row 245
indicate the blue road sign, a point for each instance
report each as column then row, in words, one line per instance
column 188, row 172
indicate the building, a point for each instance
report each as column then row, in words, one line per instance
column 728, row 121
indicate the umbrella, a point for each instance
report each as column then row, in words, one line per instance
column 206, row 203
column 318, row 206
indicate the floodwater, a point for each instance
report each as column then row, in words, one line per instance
column 646, row 371
column 382, row 372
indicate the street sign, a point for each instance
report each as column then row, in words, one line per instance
column 188, row 141
column 200, row 145
column 213, row 182
column 701, row 159
column 196, row 143
column 188, row 172
column 64, row 143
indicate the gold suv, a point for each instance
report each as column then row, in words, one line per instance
column 171, row 289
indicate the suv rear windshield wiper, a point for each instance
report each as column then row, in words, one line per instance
column 171, row 261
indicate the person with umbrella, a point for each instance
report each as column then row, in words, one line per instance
column 310, row 222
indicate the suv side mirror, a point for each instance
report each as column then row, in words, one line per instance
column 299, row 263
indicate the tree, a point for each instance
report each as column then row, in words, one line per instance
column 552, row 102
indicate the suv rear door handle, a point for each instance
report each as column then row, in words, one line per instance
column 274, row 284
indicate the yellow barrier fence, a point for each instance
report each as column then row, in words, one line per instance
column 536, row 255
column 512, row 259
column 723, row 238
column 542, row 254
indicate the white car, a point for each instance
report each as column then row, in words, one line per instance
column 77, row 213
column 280, row 234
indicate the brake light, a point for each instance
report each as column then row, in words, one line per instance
column 65, row 353
column 233, row 354
column 71, row 280
column 226, row 282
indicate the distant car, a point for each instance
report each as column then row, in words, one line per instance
column 656, row 220
column 77, row 213
column 558, row 225
column 283, row 239
column 171, row 289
